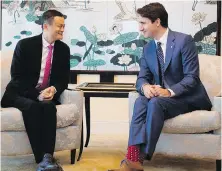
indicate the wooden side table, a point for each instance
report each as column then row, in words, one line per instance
column 106, row 90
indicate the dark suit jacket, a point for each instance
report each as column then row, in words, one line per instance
column 181, row 69
column 26, row 65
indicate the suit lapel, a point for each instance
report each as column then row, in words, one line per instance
column 153, row 57
column 38, row 53
column 169, row 49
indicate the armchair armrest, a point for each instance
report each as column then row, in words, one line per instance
column 133, row 95
column 217, row 100
column 73, row 97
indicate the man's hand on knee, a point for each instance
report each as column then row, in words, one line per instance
column 149, row 91
column 162, row 92
column 48, row 93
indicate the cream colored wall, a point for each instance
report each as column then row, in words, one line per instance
column 109, row 115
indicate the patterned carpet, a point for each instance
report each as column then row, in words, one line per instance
column 105, row 153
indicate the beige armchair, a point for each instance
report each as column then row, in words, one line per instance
column 196, row 134
column 14, row 140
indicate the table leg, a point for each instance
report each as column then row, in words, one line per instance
column 87, row 110
column 81, row 144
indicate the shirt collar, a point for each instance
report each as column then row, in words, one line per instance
column 163, row 39
column 45, row 43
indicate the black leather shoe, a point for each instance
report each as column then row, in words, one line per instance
column 48, row 164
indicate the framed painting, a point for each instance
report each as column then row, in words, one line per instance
column 103, row 35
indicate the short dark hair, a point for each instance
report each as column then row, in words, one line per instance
column 48, row 16
column 153, row 11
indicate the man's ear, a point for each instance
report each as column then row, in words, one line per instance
column 45, row 26
column 158, row 22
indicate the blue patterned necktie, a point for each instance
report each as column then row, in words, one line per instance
column 160, row 57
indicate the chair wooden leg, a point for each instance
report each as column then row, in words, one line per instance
column 81, row 144
column 218, row 165
column 73, row 156
column 87, row 109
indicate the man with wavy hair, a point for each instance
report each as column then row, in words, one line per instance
column 168, row 84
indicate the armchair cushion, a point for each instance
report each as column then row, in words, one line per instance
column 199, row 121
column 12, row 118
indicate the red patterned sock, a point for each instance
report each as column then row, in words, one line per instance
column 133, row 153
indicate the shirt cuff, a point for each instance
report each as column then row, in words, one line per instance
column 40, row 98
column 171, row 92
column 55, row 89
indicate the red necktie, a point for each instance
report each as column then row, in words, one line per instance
column 47, row 68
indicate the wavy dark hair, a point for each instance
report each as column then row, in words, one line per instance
column 154, row 11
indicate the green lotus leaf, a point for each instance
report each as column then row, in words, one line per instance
column 8, row 43
column 73, row 63
column 74, row 41
column 126, row 37
column 17, row 37
column 88, row 35
column 30, row 17
column 94, row 63
column 110, row 51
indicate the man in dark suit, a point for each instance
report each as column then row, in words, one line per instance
column 39, row 74
column 168, row 83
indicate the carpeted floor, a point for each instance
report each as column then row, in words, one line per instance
column 105, row 153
